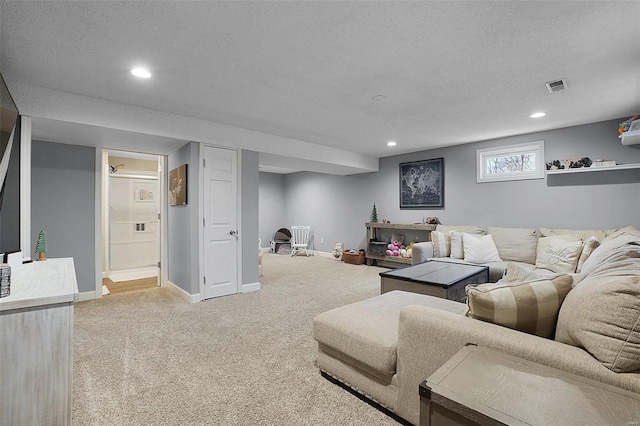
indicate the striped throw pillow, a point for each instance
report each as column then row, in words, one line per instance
column 457, row 249
column 441, row 243
column 531, row 307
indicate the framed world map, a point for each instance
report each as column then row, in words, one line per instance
column 422, row 184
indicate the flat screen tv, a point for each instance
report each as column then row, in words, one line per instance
column 9, row 173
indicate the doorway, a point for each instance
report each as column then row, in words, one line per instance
column 132, row 230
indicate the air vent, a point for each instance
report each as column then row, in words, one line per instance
column 556, row 86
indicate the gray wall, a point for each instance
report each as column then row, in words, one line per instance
column 338, row 206
column 182, row 242
column 63, row 205
column 272, row 206
column 249, row 216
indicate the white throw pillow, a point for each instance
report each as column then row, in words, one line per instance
column 589, row 246
column 479, row 249
column 559, row 254
column 457, row 251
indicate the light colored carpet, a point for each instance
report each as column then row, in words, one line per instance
column 151, row 358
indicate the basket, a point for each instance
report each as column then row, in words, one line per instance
column 353, row 258
column 5, row 280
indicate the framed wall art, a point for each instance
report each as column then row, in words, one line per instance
column 422, row 184
column 143, row 193
column 178, row 186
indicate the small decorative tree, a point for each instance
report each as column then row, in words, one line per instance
column 374, row 214
column 41, row 247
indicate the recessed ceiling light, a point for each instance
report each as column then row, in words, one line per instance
column 537, row 114
column 141, row 72
column 391, row 143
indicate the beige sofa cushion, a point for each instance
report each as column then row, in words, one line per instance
column 602, row 315
column 469, row 229
column 584, row 234
column 515, row 273
column 365, row 334
column 515, row 244
column 497, row 269
column 620, row 243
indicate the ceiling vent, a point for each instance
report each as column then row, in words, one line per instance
column 556, row 86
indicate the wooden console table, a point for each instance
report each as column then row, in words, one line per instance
column 36, row 349
column 479, row 386
column 413, row 232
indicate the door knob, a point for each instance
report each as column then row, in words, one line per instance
column 233, row 232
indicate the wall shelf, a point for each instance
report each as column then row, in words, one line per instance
column 406, row 226
column 594, row 169
column 630, row 138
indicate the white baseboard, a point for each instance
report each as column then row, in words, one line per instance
column 87, row 295
column 105, row 275
column 247, row 288
column 324, row 253
column 191, row 298
column 133, row 274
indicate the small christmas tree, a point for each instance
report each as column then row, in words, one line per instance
column 374, row 214
column 41, row 247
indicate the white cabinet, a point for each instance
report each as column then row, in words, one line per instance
column 36, row 344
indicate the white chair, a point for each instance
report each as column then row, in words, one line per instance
column 300, row 239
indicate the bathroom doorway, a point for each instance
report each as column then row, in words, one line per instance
column 131, row 221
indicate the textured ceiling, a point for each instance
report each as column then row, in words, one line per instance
column 347, row 75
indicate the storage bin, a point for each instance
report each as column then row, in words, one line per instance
column 353, row 258
column 378, row 248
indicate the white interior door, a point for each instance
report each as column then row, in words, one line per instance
column 220, row 171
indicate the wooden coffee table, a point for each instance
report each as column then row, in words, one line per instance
column 486, row 387
column 434, row 278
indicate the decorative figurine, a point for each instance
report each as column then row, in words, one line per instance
column 374, row 214
column 41, row 247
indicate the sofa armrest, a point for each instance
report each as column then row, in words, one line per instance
column 429, row 337
column 421, row 252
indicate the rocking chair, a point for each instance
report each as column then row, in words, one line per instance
column 300, row 239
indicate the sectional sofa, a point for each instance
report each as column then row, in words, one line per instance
column 514, row 245
column 385, row 346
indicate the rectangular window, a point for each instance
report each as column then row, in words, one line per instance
column 514, row 162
